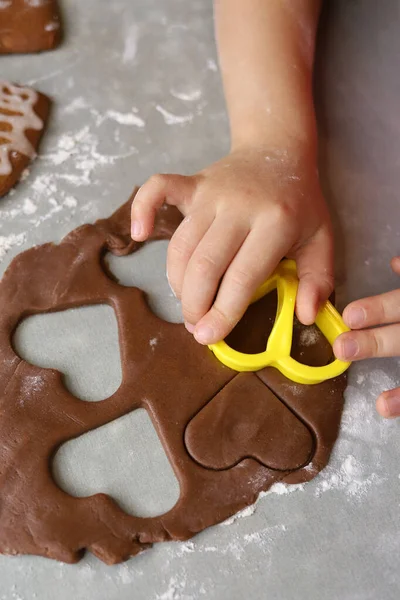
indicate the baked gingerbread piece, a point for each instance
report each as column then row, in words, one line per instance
column 228, row 436
column 29, row 26
column 23, row 114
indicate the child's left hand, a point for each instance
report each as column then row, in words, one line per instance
column 361, row 315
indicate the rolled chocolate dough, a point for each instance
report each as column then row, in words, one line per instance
column 29, row 25
column 228, row 436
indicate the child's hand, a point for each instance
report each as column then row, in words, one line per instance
column 243, row 215
column 263, row 201
column 378, row 341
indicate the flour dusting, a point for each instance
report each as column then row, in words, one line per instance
column 35, row 2
column 14, row 594
column 212, row 65
column 125, row 118
column 187, row 95
column 29, row 208
column 174, row 590
column 246, row 512
column 171, row 119
column 130, row 43
column 282, row 489
column 52, row 26
column 32, row 384
column 76, row 104
column 8, row 242
column 74, row 161
column 309, row 336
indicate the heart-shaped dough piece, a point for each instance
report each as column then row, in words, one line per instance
column 246, row 420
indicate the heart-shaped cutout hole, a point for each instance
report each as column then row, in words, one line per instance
column 82, row 343
column 146, row 269
column 246, row 420
column 124, row 459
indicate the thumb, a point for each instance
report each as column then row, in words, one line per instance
column 388, row 404
column 315, row 271
column 175, row 190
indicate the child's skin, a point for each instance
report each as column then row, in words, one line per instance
column 383, row 309
column 262, row 201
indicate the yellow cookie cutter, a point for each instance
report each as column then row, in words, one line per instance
column 277, row 353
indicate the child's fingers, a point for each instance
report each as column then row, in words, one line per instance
column 251, row 266
column 388, row 404
column 207, row 265
column 395, row 264
column 315, row 271
column 375, row 310
column 368, row 343
column 173, row 189
column 182, row 245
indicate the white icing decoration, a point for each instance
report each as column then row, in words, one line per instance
column 18, row 100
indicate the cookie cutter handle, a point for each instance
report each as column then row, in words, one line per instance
column 331, row 325
column 330, row 322
column 284, row 280
column 286, row 283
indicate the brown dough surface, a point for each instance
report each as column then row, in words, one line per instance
column 29, row 26
column 228, row 436
column 222, row 434
column 20, row 161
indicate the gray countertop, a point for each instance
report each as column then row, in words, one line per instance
column 136, row 90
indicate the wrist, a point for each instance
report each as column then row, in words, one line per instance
column 296, row 135
column 270, row 142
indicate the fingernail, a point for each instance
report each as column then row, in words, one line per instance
column 391, row 401
column 189, row 327
column 204, row 334
column 136, row 229
column 349, row 348
column 356, row 316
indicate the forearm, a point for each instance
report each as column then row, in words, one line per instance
column 266, row 51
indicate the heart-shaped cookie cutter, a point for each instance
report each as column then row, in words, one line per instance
column 277, row 354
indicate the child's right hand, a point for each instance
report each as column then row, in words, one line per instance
column 244, row 213
column 371, row 340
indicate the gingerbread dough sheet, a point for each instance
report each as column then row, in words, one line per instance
column 228, row 436
column 23, row 114
column 29, row 26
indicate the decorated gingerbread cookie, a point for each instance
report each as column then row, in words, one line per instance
column 23, row 113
